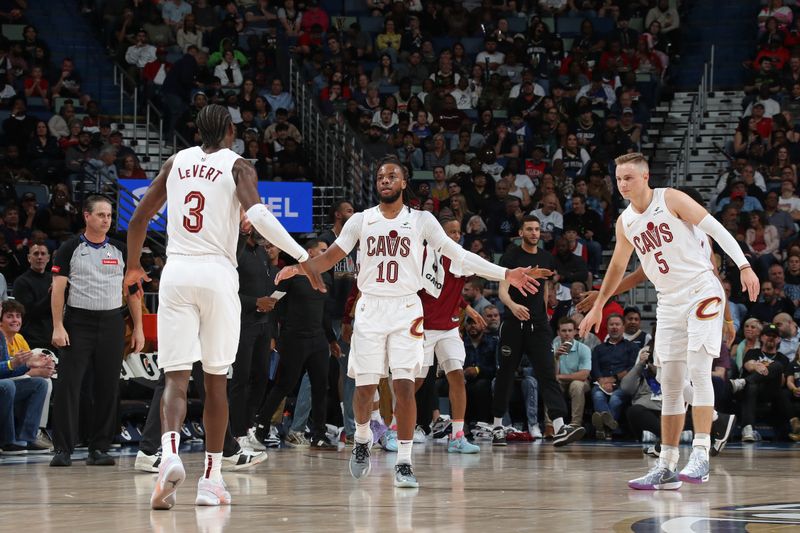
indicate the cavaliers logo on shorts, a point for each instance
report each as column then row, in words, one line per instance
column 416, row 328
column 704, row 313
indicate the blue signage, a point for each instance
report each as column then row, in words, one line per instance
column 291, row 203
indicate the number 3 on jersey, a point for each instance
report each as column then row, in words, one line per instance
column 663, row 267
column 193, row 222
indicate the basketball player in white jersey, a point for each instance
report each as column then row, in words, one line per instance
column 387, row 331
column 206, row 189
column 665, row 227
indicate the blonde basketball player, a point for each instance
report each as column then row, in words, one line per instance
column 388, row 332
column 205, row 188
column 665, row 228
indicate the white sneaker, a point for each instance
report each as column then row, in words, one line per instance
column 535, row 432
column 147, row 463
column 170, row 476
column 243, row 460
column 748, row 434
column 687, row 436
column 43, row 440
column 419, row 436
column 253, row 442
column 212, row 493
column 648, row 437
column 273, row 440
column 296, row 439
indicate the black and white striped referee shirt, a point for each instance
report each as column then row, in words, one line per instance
column 95, row 272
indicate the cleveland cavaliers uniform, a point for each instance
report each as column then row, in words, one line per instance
column 199, row 309
column 675, row 256
column 388, row 326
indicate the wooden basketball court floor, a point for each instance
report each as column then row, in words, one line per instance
column 523, row 487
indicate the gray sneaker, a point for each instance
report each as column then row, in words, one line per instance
column 696, row 470
column 359, row 460
column 660, row 477
column 404, row 476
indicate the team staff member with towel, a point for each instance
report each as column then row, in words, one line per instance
column 90, row 332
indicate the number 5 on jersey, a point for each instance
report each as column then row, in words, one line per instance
column 193, row 222
column 663, row 267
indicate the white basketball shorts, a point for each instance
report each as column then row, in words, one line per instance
column 690, row 318
column 387, row 335
column 447, row 345
column 198, row 303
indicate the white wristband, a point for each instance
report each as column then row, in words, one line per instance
column 717, row 231
column 272, row 230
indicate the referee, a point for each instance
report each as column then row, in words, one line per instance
column 90, row 332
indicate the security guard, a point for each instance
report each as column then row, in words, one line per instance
column 90, row 332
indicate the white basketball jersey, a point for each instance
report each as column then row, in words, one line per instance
column 673, row 252
column 390, row 252
column 202, row 207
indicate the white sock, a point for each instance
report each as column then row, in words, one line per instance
column 363, row 433
column 170, row 444
column 715, row 416
column 404, row 452
column 669, row 455
column 376, row 415
column 458, row 427
column 213, row 469
column 558, row 423
column 498, row 422
column 702, row 441
column 377, row 396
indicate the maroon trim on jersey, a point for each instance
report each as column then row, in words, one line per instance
column 440, row 312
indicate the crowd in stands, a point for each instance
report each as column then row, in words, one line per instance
column 499, row 108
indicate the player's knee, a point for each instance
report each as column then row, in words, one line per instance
column 699, row 363
column 452, row 365
column 673, row 378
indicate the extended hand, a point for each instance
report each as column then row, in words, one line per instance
column 287, row 273
column 522, row 279
column 750, row 283
column 590, row 322
column 540, row 273
column 313, row 276
column 587, row 301
column 135, row 275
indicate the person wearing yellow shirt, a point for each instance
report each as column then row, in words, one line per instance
column 388, row 42
column 10, row 324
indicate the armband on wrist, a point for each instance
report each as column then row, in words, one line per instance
column 9, row 365
column 744, row 267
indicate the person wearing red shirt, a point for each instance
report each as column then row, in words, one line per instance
column 442, row 317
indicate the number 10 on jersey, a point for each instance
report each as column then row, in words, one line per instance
column 387, row 271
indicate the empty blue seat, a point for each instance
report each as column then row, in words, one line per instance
column 371, row 24
column 603, row 26
column 569, row 27
column 440, row 43
column 472, row 45
column 517, row 25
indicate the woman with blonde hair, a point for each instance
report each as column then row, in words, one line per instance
column 752, row 340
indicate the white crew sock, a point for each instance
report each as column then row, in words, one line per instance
column 363, row 433
column 558, row 423
column 498, row 422
column 170, row 444
column 213, row 469
column 404, row 452
column 458, row 427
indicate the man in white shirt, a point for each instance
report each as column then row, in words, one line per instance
column 552, row 222
column 140, row 53
column 491, row 55
column 527, row 76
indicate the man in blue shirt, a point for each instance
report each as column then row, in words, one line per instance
column 479, row 371
column 278, row 99
column 611, row 360
column 574, row 363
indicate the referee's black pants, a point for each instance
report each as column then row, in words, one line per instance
column 535, row 341
column 299, row 352
column 250, row 374
column 151, row 434
column 96, row 342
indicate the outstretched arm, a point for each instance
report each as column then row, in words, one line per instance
column 472, row 263
column 687, row 209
